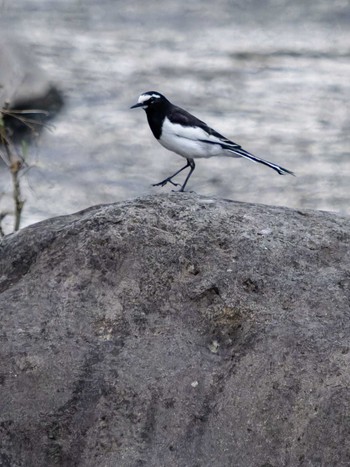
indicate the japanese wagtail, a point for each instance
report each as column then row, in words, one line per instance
column 186, row 135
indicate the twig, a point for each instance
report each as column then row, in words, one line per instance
column 12, row 157
column 2, row 233
column 15, row 165
column 17, row 197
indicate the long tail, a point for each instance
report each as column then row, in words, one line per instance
column 236, row 149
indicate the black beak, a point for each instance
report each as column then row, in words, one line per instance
column 136, row 105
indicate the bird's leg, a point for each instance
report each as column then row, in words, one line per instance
column 191, row 163
column 169, row 179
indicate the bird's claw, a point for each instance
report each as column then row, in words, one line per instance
column 164, row 182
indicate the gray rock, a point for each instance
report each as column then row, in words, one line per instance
column 176, row 330
column 25, row 86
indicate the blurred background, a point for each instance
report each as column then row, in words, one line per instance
column 273, row 75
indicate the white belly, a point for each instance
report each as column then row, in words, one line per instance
column 185, row 141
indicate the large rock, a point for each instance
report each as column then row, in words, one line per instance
column 176, row 331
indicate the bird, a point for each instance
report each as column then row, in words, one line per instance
column 184, row 134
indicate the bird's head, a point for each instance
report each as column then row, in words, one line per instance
column 149, row 99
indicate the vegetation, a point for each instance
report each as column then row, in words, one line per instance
column 14, row 156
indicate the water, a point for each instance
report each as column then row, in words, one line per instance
column 273, row 75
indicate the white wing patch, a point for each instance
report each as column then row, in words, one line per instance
column 189, row 141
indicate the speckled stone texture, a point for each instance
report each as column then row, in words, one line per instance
column 176, row 330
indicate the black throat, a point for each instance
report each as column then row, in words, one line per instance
column 155, row 115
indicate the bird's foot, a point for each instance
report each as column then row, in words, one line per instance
column 164, row 182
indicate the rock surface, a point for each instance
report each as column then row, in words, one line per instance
column 176, row 330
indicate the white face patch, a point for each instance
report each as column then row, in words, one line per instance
column 146, row 97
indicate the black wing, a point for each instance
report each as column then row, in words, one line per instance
column 184, row 118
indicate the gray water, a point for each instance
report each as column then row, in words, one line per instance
column 273, row 75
